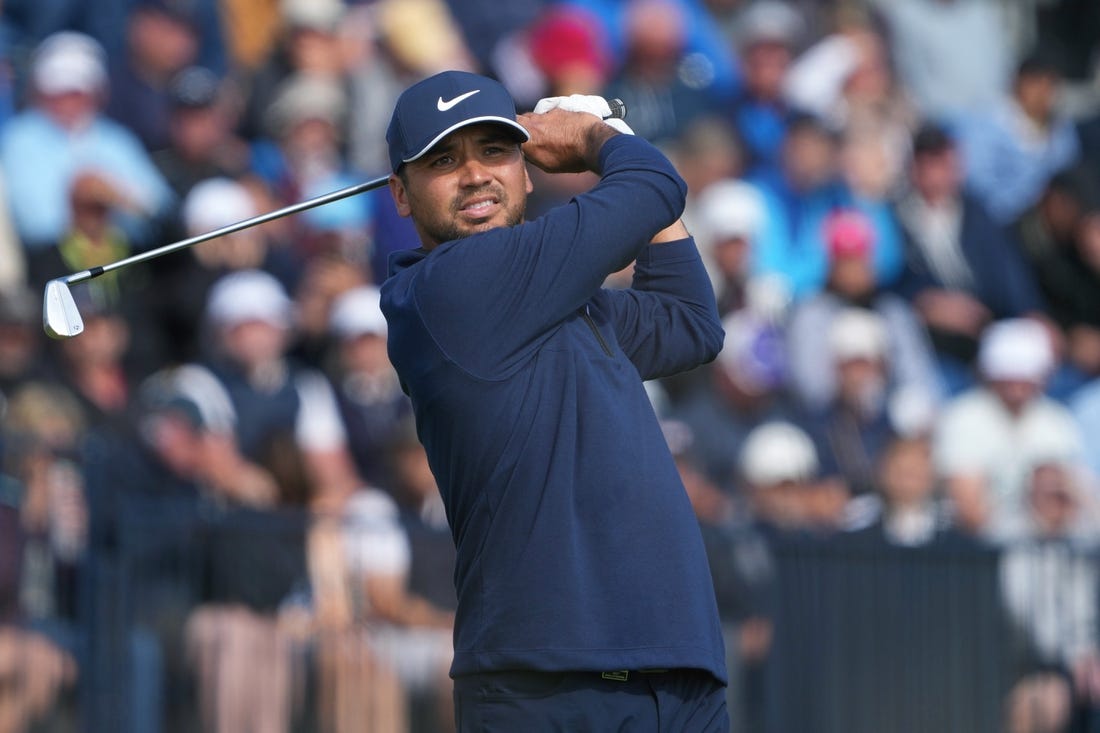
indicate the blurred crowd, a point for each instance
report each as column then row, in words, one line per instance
column 898, row 202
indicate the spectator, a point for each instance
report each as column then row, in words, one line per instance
column 43, row 523
column 846, row 79
column 851, row 284
column 728, row 218
column 355, row 547
column 63, row 132
column 367, row 388
column 1049, row 584
column 97, row 370
column 655, row 81
column 309, row 44
column 325, row 278
column 200, row 143
column 151, row 488
column 1011, row 149
column 20, row 339
column 962, row 271
column 569, row 49
column 954, row 56
column 262, row 393
column 303, row 158
column 91, row 238
column 707, row 152
column 240, row 639
column 424, row 517
column 854, row 426
column 781, row 481
column 1061, row 238
column 766, row 35
column 162, row 39
column 908, row 508
column 990, row 437
column 743, row 388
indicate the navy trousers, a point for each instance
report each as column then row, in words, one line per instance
column 672, row 701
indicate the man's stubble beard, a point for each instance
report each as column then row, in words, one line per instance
column 450, row 231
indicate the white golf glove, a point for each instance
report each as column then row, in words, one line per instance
column 589, row 103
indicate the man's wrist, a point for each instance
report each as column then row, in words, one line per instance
column 598, row 135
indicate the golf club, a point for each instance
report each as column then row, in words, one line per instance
column 60, row 316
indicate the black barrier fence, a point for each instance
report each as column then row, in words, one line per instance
column 864, row 637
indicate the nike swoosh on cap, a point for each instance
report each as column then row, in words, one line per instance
column 444, row 106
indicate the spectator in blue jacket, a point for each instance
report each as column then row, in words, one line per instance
column 962, row 269
column 583, row 586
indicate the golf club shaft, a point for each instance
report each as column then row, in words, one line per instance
column 343, row 193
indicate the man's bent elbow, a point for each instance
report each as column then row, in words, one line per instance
column 714, row 338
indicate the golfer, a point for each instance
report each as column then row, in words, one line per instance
column 584, row 598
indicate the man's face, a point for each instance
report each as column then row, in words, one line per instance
column 474, row 180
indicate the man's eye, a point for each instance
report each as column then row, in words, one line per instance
column 441, row 161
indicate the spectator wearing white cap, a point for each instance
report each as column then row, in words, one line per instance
column 781, row 475
column 990, row 437
column 251, row 322
column 729, row 215
column 854, row 425
column 63, row 132
column 367, row 388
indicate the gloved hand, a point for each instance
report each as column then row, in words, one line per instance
column 589, row 103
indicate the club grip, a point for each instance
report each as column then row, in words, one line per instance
column 618, row 108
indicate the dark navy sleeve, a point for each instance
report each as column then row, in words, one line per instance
column 490, row 299
column 667, row 321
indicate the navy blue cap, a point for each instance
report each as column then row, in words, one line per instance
column 431, row 109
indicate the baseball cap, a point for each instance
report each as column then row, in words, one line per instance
column 431, row 109
column 68, row 61
column 216, row 203
column 358, row 312
column 849, row 234
column 1016, row 349
column 858, row 333
column 778, row 451
column 769, row 21
column 249, row 295
column 732, row 208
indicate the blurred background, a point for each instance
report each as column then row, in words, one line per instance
column 215, row 514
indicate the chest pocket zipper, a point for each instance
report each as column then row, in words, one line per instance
column 596, row 331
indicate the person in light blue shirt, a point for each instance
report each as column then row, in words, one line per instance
column 63, row 133
column 1011, row 150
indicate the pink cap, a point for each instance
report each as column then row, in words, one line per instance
column 848, row 233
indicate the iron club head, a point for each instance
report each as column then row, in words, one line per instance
column 60, row 317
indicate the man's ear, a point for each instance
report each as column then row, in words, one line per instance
column 400, row 195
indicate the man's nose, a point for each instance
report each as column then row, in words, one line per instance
column 474, row 172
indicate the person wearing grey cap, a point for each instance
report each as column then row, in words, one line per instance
column 584, row 596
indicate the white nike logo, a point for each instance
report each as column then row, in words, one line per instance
column 444, row 106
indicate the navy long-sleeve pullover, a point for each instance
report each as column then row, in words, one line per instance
column 577, row 546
